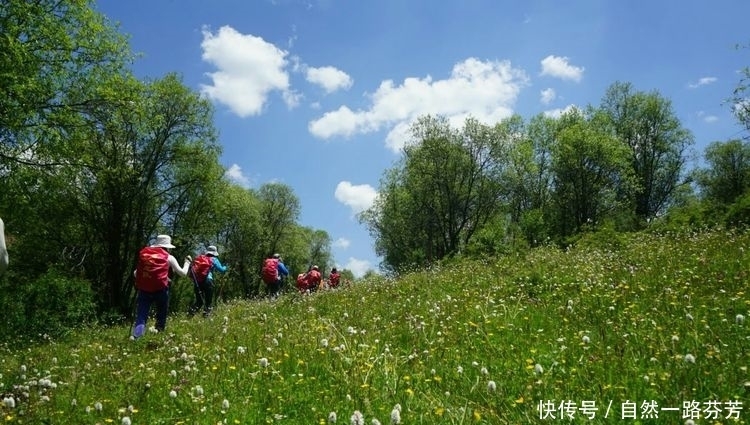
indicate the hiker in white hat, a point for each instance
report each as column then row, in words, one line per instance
column 152, row 282
column 202, row 275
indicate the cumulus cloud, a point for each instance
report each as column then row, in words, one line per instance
column 358, row 267
column 342, row 243
column 486, row 90
column 235, row 175
column 702, row 82
column 248, row 69
column 330, row 78
column 548, row 95
column 558, row 67
column 357, row 197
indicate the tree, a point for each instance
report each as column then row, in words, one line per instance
column 648, row 126
column 589, row 166
column 279, row 211
column 727, row 176
column 445, row 188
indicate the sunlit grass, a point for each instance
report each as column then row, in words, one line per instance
column 660, row 322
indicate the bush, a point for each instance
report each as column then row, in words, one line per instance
column 49, row 306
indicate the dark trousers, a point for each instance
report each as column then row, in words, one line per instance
column 204, row 296
column 144, row 301
column 274, row 288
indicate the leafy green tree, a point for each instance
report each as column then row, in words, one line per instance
column 658, row 145
column 589, row 166
column 445, row 188
column 727, row 176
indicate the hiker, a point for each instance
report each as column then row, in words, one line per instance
column 203, row 279
column 302, row 282
column 313, row 279
column 273, row 274
column 152, row 282
column 334, row 278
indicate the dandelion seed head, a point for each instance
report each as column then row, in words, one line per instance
column 484, row 371
column 332, row 418
column 98, row 406
column 538, row 369
column 689, row 358
column 173, row 373
column 173, row 394
column 357, row 418
column 126, row 420
column 739, row 319
column 491, row 386
column 225, row 404
column 263, row 362
column 586, row 339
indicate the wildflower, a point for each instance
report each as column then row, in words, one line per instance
column 241, row 350
column 689, row 358
column 126, row 420
column 184, row 356
column 173, row 373
column 586, row 339
column 475, row 364
column 98, row 406
column 689, row 422
column 689, row 316
column 460, row 369
column 74, row 402
column 491, row 386
column 54, row 360
column 225, row 404
column 357, row 418
column 23, row 368
column 739, row 319
column 538, row 369
column 173, row 394
column 484, row 371
column 9, row 402
column 396, row 415
column 198, row 390
column 275, row 341
column 375, row 422
column 675, row 338
column 332, row 418
column 263, row 362
column 351, row 330
column 646, row 378
column 324, row 342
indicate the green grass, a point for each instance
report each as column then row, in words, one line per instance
column 474, row 342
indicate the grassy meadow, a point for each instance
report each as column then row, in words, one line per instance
column 612, row 331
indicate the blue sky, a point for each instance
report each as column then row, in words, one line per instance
column 317, row 94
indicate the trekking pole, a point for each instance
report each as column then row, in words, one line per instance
column 134, row 303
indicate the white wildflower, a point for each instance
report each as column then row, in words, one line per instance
column 538, row 369
column 225, row 404
column 198, row 390
column 357, row 418
column 396, row 415
column 332, row 418
column 675, row 338
column 98, row 406
column 324, row 342
column 689, row 358
column 173, row 394
column 491, row 386
column 126, row 420
column 241, row 350
column 586, row 339
column 689, row 316
column 739, row 319
column 263, row 362
column 173, row 373
column 9, row 402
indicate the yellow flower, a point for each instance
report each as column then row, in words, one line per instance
column 477, row 416
column 439, row 411
column 519, row 400
column 409, row 392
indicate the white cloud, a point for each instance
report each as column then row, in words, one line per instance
column 558, row 66
column 702, row 82
column 342, row 243
column 357, row 197
column 292, row 98
column 548, row 95
column 330, row 78
column 234, row 174
column 358, row 267
column 248, row 69
column 707, row 118
column 556, row 113
column 485, row 90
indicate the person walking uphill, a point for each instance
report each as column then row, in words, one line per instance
column 202, row 274
column 273, row 272
column 152, row 282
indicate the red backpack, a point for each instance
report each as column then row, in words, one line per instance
column 200, row 268
column 270, row 272
column 152, row 272
column 334, row 279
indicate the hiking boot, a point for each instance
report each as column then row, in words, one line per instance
column 139, row 331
